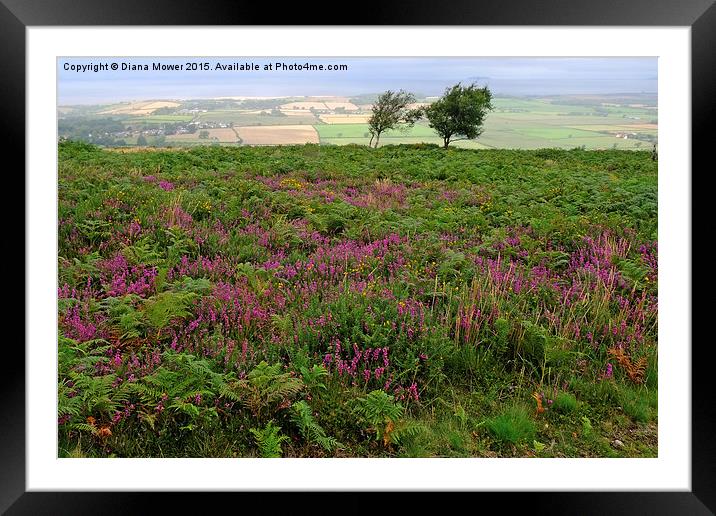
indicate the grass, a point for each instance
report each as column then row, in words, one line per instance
column 512, row 426
column 565, row 403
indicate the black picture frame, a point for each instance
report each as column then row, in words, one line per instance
column 699, row 15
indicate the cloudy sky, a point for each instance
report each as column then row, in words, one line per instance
column 423, row 76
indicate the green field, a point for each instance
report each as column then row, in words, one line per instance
column 239, row 118
column 159, row 119
column 498, row 133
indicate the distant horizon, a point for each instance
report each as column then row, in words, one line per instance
column 506, row 77
column 259, row 97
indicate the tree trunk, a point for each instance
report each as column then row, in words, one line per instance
column 446, row 142
column 377, row 139
column 370, row 143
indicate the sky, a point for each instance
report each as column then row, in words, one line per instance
column 422, row 76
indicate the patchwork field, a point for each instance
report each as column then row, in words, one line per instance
column 277, row 135
column 595, row 122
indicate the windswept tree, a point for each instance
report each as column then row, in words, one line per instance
column 459, row 113
column 390, row 111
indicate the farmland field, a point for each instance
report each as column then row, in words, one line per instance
column 277, row 134
column 589, row 121
column 158, row 119
column 341, row 301
column 344, row 119
column 224, row 135
column 138, row 108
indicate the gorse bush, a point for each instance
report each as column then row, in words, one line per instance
column 320, row 301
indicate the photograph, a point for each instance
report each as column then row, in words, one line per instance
column 357, row 257
column 444, row 250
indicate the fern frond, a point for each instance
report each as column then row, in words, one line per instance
column 310, row 430
column 269, row 440
column 379, row 410
column 83, row 427
column 312, row 377
column 406, row 430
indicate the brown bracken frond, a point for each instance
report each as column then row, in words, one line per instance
column 636, row 371
column 389, row 427
column 538, row 398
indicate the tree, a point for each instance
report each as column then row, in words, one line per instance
column 391, row 110
column 459, row 113
column 141, row 140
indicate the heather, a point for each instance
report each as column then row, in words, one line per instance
column 320, row 301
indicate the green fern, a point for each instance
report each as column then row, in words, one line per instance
column 195, row 285
column 161, row 309
column 302, row 417
column 83, row 427
column 96, row 394
column 634, row 271
column 312, row 377
column 143, row 251
column 179, row 245
column 269, row 440
column 265, row 386
column 67, row 405
column 178, row 383
column 181, row 376
column 404, row 430
column 80, row 269
column 123, row 314
column 79, row 392
column 79, row 356
column 380, row 412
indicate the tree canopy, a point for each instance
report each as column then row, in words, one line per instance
column 391, row 110
column 460, row 112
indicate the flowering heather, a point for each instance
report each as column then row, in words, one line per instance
column 226, row 290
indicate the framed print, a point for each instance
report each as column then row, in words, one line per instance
column 417, row 253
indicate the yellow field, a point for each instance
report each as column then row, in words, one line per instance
column 345, row 105
column 223, row 135
column 278, row 135
column 344, row 119
column 139, row 108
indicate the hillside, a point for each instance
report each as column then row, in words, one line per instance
column 341, row 301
